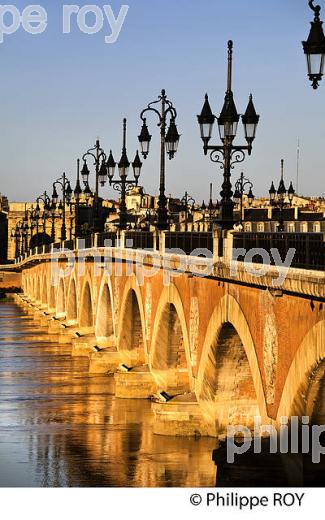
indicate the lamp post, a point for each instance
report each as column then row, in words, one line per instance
column 209, row 212
column 186, row 200
column 77, row 194
column 150, row 215
column 228, row 154
column 278, row 197
column 240, row 187
column 29, row 223
column 66, row 197
column 168, row 145
column 123, row 184
column 53, row 214
column 77, row 202
column 17, row 233
column 45, row 199
column 99, row 156
column 314, row 47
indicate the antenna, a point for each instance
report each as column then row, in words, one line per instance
column 298, row 166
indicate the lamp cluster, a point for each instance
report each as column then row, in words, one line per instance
column 228, row 121
column 227, row 154
column 107, row 168
column 278, row 197
column 171, row 139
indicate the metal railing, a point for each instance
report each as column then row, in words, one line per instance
column 85, row 242
column 309, row 247
column 189, row 241
column 108, row 239
column 70, row 245
column 139, row 240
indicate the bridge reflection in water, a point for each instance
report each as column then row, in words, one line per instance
column 59, row 426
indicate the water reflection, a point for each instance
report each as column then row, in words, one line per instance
column 61, row 427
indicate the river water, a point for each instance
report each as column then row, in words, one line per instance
column 59, row 426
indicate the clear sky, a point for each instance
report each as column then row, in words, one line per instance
column 60, row 92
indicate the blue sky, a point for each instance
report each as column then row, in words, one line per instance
column 60, row 92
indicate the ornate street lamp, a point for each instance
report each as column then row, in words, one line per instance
column 228, row 154
column 240, row 187
column 278, row 197
column 53, row 215
column 66, row 198
column 210, row 211
column 314, row 47
column 123, row 184
column 45, row 199
column 29, row 224
column 186, row 201
column 16, row 234
column 168, row 145
column 77, row 201
column 99, row 156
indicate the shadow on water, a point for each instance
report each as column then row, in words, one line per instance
column 299, row 461
column 61, row 427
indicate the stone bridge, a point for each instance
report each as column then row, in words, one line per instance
column 216, row 350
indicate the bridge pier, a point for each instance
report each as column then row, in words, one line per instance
column 105, row 361
column 181, row 416
column 54, row 325
column 32, row 310
column 137, row 383
column 42, row 319
column 83, row 345
column 66, row 332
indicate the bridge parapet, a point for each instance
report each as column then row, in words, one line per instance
column 278, row 279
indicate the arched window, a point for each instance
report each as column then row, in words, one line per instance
column 304, row 227
column 248, row 227
column 260, row 227
column 316, row 227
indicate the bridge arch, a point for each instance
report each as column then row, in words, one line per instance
column 301, row 392
column 170, row 351
column 60, row 299
column 229, row 388
column 105, row 326
column 132, row 327
column 86, row 312
column 72, row 302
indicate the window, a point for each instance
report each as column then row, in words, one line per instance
column 304, row 227
column 316, row 227
column 248, row 227
column 260, row 227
